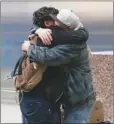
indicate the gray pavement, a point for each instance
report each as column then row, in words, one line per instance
column 10, row 113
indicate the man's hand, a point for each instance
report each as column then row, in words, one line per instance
column 25, row 46
column 44, row 35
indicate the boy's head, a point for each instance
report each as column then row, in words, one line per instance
column 42, row 18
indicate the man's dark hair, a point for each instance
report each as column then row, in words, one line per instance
column 42, row 14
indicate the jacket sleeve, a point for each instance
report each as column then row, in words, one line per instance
column 60, row 54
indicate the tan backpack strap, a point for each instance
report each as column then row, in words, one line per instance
column 17, row 96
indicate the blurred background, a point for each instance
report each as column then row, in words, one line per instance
column 16, row 21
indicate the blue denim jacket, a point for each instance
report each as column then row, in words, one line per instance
column 74, row 60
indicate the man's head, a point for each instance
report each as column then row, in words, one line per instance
column 42, row 18
column 67, row 19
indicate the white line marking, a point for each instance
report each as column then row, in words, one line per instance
column 8, row 91
column 104, row 53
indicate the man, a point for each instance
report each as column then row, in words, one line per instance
column 78, row 95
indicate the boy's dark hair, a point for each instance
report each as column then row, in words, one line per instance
column 42, row 14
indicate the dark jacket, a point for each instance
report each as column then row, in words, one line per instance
column 73, row 60
column 61, row 36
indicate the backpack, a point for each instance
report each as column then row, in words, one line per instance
column 26, row 74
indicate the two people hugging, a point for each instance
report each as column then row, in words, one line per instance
column 65, row 93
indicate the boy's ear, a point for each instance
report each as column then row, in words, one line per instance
column 46, row 23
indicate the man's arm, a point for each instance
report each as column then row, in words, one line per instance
column 79, row 36
column 61, row 54
column 61, row 36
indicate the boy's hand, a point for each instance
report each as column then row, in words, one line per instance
column 44, row 35
column 25, row 46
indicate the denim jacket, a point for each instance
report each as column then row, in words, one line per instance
column 74, row 60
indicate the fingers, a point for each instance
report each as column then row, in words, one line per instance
column 49, row 35
column 43, row 40
column 47, row 38
column 45, row 35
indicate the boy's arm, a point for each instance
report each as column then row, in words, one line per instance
column 43, row 34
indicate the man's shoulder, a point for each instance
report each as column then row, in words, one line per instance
column 59, row 33
column 56, row 28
